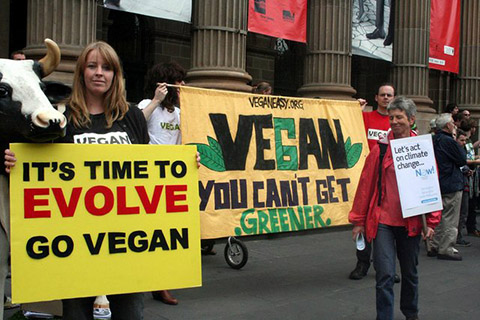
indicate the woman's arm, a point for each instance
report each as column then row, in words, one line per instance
column 160, row 94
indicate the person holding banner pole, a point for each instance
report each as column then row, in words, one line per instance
column 377, row 214
column 97, row 110
column 162, row 113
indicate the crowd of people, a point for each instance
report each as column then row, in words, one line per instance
column 458, row 126
column 98, row 107
column 376, row 211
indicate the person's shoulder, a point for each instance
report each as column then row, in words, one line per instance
column 133, row 111
column 374, row 114
column 366, row 114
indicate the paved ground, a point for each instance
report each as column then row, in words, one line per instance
column 305, row 277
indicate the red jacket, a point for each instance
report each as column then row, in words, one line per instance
column 366, row 197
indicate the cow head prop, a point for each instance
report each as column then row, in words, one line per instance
column 26, row 109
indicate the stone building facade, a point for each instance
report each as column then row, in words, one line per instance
column 218, row 52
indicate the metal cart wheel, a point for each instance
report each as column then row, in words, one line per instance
column 236, row 253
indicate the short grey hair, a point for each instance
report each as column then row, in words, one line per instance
column 403, row 104
column 443, row 120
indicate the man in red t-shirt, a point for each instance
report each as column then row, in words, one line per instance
column 376, row 122
column 376, row 126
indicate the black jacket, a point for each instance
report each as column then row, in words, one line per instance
column 450, row 157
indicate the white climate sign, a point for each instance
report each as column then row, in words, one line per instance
column 417, row 175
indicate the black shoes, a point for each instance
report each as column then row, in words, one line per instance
column 455, row 256
column 452, row 257
column 359, row 272
column 388, row 40
column 463, row 243
column 474, row 233
column 432, row 252
column 376, row 34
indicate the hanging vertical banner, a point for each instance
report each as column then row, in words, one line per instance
column 178, row 10
column 286, row 19
column 445, row 35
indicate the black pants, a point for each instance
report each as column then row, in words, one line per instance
column 471, row 223
column 380, row 14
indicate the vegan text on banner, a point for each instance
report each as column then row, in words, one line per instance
column 271, row 163
column 286, row 19
column 90, row 220
column 445, row 35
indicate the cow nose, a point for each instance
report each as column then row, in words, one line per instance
column 44, row 119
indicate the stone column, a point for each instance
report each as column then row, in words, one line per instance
column 219, row 45
column 410, row 56
column 5, row 29
column 468, row 81
column 327, row 68
column 71, row 24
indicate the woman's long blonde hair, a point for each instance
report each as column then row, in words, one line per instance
column 115, row 103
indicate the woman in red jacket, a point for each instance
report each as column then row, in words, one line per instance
column 378, row 215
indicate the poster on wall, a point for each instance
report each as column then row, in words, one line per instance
column 286, row 19
column 270, row 163
column 445, row 35
column 178, row 10
column 373, row 28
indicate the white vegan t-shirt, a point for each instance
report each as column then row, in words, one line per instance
column 163, row 126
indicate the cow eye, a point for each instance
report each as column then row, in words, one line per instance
column 4, row 90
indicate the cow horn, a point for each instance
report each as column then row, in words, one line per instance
column 52, row 59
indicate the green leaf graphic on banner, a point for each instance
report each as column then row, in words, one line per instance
column 348, row 144
column 353, row 155
column 215, row 146
column 209, row 157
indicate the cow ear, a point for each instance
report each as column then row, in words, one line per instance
column 56, row 91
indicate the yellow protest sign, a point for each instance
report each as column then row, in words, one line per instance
column 90, row 220
column 271, row 163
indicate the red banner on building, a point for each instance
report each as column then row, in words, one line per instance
column 286, row 19
column 445, row 35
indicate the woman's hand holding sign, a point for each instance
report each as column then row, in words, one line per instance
column 10, row 160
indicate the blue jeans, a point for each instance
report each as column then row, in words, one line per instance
column 391, row 240
column 123, row 307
